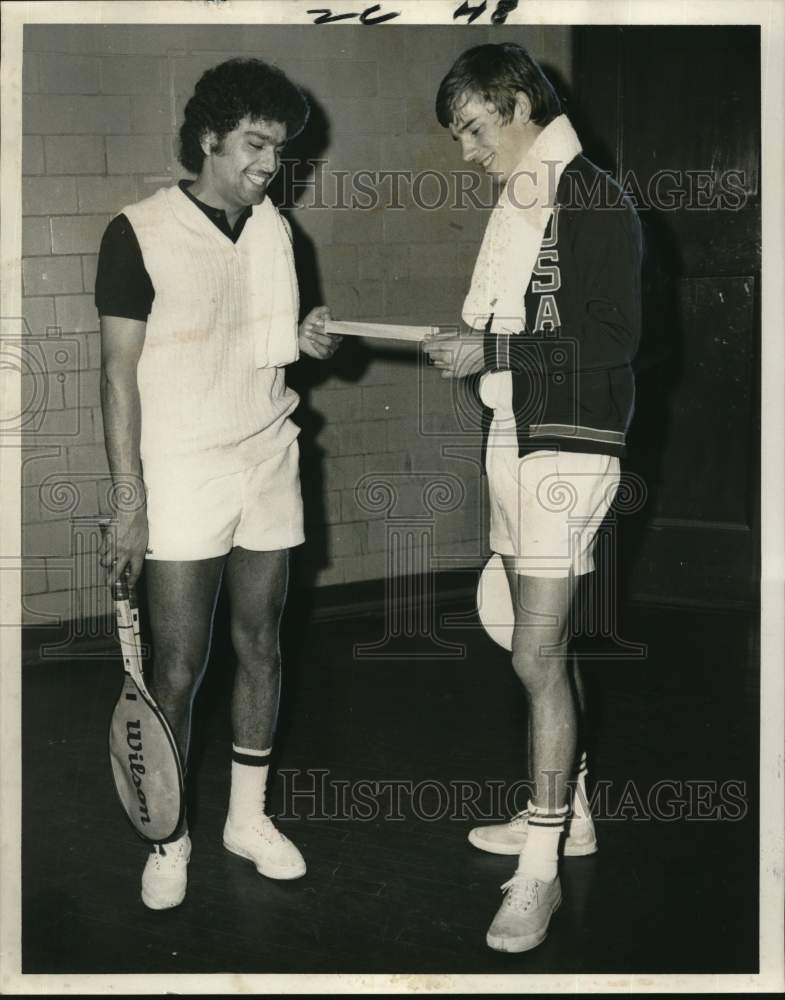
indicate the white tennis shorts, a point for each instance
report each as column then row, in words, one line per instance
column 547, row 506
column 194, row 517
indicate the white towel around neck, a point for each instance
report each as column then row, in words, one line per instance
column 275, row 302
column 515, row 231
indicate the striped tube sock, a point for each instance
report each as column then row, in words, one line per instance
column 539, row 857
column 580, row 800
column 249, row 780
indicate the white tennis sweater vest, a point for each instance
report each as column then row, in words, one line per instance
column 206, row 405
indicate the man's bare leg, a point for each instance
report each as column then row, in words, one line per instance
column 540, row 660
column 182, row 596
column 256, row 582
column 257, row 590
column 574, row 669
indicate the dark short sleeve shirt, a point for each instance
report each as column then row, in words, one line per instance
column 122, row 285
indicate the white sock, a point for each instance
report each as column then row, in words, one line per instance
column 540, row 857
column 249, row 781
column 580, row 799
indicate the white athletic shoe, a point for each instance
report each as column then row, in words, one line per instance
column 273, row 853
column 510, row 838
column 522, row 920
column 165, row 875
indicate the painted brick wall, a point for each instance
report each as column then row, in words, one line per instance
column 101, row 109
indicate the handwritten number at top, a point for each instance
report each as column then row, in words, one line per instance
column 371, row 15
column 326, row 16
column 473, row 11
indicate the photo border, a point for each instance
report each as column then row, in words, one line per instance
column 770, row 15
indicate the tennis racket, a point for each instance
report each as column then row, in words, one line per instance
column 494, row 602
column 146, row 765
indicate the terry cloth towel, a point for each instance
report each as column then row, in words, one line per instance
column 274, row 301
column 515, row 232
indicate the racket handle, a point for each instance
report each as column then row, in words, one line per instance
column 120, row 590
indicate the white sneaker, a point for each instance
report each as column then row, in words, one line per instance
column 522, row 920
column 510, row 838
column 273, row 853
column 165, row 875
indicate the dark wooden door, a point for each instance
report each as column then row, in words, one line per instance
column 674, row 114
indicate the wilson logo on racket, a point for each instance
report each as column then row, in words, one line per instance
column 146, row 766
column 135, row 765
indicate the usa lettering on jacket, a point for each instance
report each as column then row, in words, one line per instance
column 546, row 278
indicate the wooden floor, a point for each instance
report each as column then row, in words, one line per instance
column 409, row 894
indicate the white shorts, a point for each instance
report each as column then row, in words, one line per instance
column 195, row 517
column 547, row 506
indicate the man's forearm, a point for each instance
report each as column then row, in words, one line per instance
column 122, row 416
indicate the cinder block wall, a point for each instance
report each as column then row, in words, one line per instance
column 102, row 105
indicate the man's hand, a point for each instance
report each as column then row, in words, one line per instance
column 129, row 532
column 312, row 338
column 456, row 354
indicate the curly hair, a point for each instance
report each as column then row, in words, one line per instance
column 229, row 92
column 497, row 73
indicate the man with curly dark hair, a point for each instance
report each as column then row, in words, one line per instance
column 198, row 299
